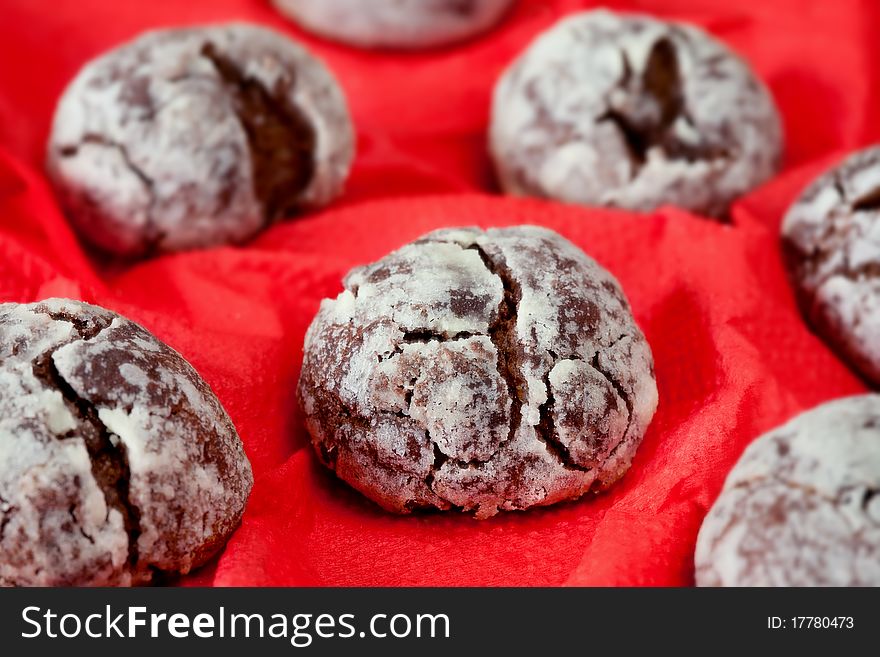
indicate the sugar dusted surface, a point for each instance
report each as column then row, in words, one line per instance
column 189, row 477
column 831, row 236
column 395, row 23
column 551, row 135
column 801, row 507
column 147, row 151
column 478, row 370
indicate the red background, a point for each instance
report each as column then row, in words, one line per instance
column 733, row 357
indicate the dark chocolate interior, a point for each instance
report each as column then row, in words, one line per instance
column 280, row 137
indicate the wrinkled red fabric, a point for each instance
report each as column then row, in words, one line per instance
column 733, row 357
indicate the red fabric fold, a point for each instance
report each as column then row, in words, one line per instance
column 733, row 357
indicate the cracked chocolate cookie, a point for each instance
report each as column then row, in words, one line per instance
column 801, row 507
column 479, row 371
column 188, row 138
column 407, row 24
column 831, row 242
column 116, row 459
column 628, row 111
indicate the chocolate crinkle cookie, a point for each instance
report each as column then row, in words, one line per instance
column 831, row 241
column 801, row 507
column 628, row 111
column 116, row 459
column 407, row 24
column 187, row 138
column 479, row 371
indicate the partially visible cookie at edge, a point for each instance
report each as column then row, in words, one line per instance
column 478, row 371
column 194, row 137
column 802, row 505
column 117, row 461
column 402, row 24
column 831, row 243
column 625, row 110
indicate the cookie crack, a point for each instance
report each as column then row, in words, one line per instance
column 867, row 495
column 618, row 388
column 153, row 235
column 109, row 462
column 502, row 333
column 281, row 139
column 634, row 140
column 868, row 202
column 621, row 392
column 422, row 336
column 652, row 105
column 101, row 140
column 440, row 458
column 545, row 431
column 87, row 329
column 7, row 510
column 837, row 182
column 71, row 510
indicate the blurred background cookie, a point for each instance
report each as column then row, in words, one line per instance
column 479, row 371
column 395, row 23
column 116, row 459
column 831, row 241
column 802, row 505
column 629, row 111
column 195, row 137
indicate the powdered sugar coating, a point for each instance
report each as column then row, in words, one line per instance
column 149, row 151
column 831, row 239
column 626, row 110
column 484, row 371
column 118, row 460
column 801, row 507
column 395, row 23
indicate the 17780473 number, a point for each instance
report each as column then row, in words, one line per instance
column 810, row 622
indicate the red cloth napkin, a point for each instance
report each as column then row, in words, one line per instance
column 733, row 357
